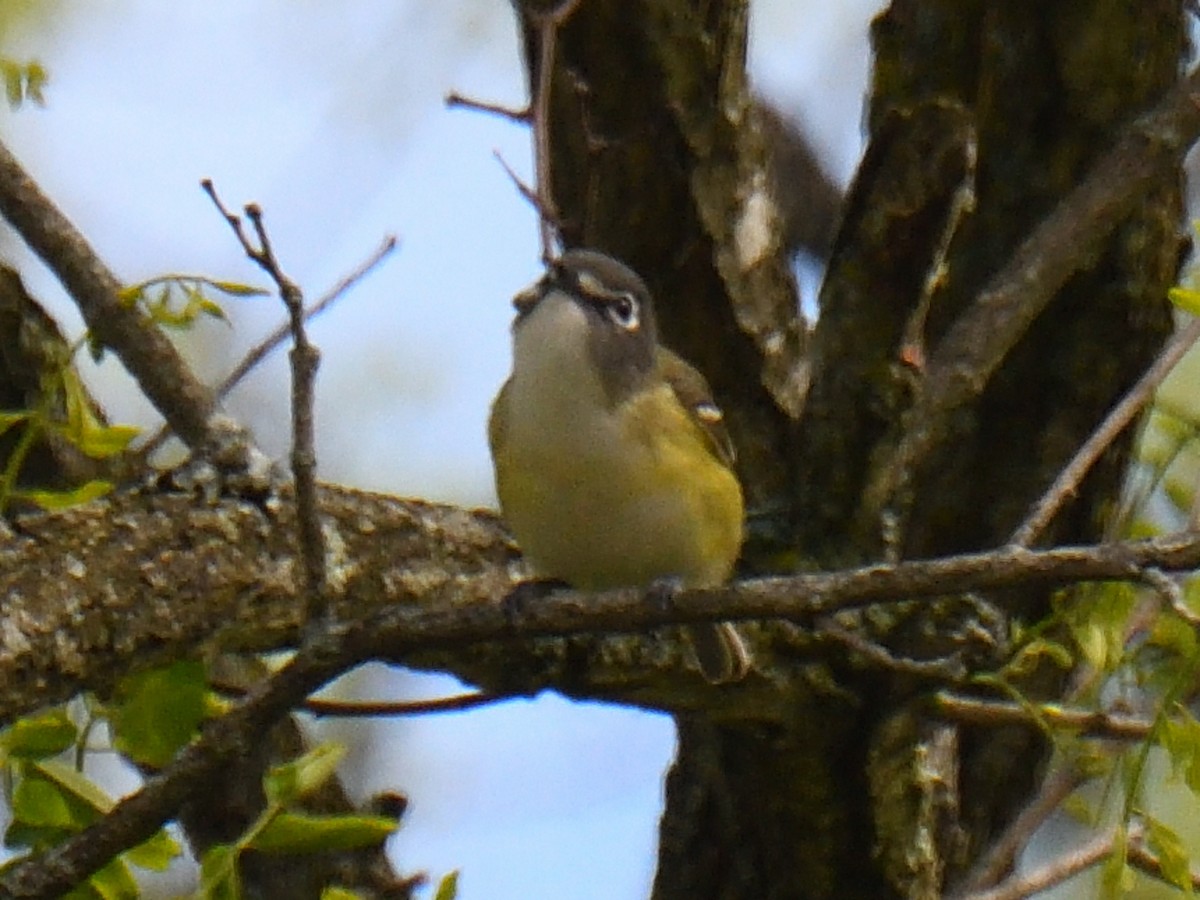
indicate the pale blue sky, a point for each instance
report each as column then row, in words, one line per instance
column 330, row 116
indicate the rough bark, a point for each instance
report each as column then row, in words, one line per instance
column 819, row 776
column 983, row 116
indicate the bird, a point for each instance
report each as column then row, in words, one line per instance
column 612, row 463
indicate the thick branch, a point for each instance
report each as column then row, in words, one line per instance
column 145, row 578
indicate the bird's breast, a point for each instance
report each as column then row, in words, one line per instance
column 604, row 497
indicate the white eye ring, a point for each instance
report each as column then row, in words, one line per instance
column 623, row 310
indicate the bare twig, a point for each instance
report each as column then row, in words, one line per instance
column 1093, row 723
column 530, row 194
column 1075, row 861
column 268, row 344
column 1058, row 870
column 1169, row 590
column 948, row 670
column 1138, row 856
column 361, row 709
column 981, row 338
column 305, row 358
column 455, row 99
column 144, row 350
column 999, row 857
column 1106, row 432
column 548, row 24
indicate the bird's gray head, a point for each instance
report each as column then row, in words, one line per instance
column 622, row 333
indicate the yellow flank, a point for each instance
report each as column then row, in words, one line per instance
column 634, row 494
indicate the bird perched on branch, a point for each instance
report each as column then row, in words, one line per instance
column 612, row 462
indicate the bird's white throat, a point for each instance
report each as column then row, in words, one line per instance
column 556, row 396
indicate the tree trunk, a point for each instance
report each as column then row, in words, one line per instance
column 983, row 115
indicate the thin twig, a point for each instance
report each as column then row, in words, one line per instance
column 455, row 99
column 548, row 24
column 304, row 358
column 1058, row 870
column 268, row 344
column 1138, row 856
column 529, row 193
column 1092, row 723
column 998, row 859
column 346, row 709
column 361, row 709
column 1169, row 590
column 950, row 669
column 1069, row 479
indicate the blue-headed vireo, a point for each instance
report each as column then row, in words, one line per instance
column 612, row 463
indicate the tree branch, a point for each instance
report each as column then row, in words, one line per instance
column 1054, row 872
column 144, row 578
column 1091, row 723
column 144, row 350
column 304, row 358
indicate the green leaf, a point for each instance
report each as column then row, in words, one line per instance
column 287, row 783
column 1173, row 634
column 155, row 854
column 1099, row 629
column 1171, row 853
column 101, row 441
column 212, row 309
column 40, row 735
column 333, row 892
column 84, row 429
column 75, row 784
column 1179, row 736
column 95, row 347
column 237, row 289
column 131, row 294
column 36, row 79
column 51, row 801
column 448, row 887
column 1078, row 807
column 1115, row 876
column 43, row 804
column 1186, row 299
column 56, row 500
column 155, row 713
column 219, row 879
column 23, row 81
column 113, row 882
column 304, row 833
column 12, row 83
column 23, row 836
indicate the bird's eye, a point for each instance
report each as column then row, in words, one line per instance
column 623, row 310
